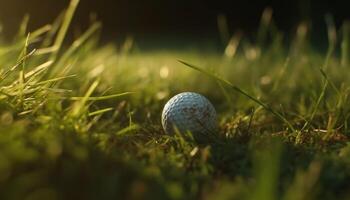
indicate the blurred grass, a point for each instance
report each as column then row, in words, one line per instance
column 83, row 121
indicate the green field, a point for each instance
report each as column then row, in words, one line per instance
column 81, row 120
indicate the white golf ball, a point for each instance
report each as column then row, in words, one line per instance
column 189, row 111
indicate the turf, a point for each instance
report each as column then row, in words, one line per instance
column 82, row 121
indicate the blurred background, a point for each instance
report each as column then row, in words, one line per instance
column 180, row 18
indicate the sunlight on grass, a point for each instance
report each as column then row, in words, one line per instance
column 82, row 120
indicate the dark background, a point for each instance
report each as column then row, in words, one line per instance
column 173, row 17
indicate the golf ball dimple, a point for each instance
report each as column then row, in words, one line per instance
column 189, row 111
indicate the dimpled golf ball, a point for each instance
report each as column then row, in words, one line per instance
column 189, row 111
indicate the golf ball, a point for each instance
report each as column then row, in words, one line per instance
column 189, row 111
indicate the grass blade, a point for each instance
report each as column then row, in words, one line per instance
column 64, row 27
column 127, row 130
column 76, row 44
column 99, row 98
column 345, row 44
column 98, row 112
column 331, row 46
column 268, row 108
column 78, row 107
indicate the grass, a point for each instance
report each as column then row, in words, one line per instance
column 82, row 121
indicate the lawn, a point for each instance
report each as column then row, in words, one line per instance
column 81, row 120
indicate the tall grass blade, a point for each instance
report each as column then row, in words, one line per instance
column 345, row 44
column 331, row 46
column 49, row 38
column 23, row 27
column 78, row 107
column 267, row 170
column 223, row 28
column 76, row 44
column 64, row 27
column 305, row 183
column 265, row 22
column 266, row 107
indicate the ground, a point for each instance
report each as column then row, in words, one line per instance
column 82, row 121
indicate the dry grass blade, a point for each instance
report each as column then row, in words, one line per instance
column 5, row 74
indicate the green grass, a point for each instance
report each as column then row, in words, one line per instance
column 82, row 121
